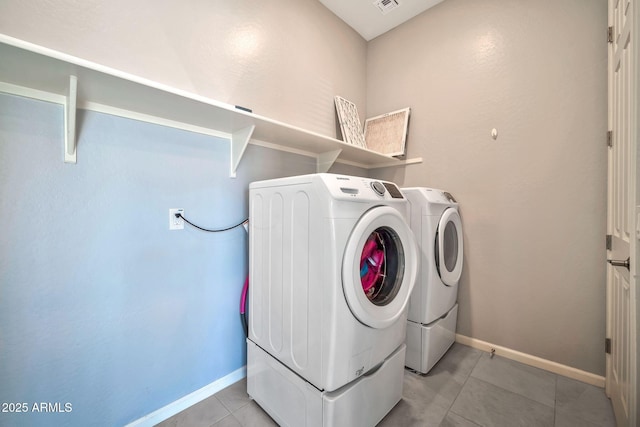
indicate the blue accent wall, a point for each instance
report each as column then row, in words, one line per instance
column 101, row 305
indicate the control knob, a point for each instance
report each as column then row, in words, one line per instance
column 378, row 187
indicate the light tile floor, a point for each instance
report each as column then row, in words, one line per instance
column 467, row 388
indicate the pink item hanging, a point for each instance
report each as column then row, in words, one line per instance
column 371, row 263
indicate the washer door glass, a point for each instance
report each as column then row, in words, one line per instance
column 379, row 267
column 448, row 247
column 382, row 266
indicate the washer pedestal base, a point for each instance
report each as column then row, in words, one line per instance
column 292, row 401
column 426, row 344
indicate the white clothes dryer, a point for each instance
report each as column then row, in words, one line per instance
column 435, row 221
column 332, row 263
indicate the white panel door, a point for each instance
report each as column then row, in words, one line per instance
column 623, row 216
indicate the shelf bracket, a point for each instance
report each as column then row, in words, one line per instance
column 239, row 141
column 326, row 160
column 70, row 121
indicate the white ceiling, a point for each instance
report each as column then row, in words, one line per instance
column 369, row 21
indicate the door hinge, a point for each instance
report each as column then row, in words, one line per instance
column 607, row 345
column 608, row 241
column 610, row 35
column 609, row 138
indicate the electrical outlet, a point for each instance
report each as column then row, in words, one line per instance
column 176, row 223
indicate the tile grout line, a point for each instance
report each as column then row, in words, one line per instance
column 238, row 408
column 515, row 394
column 511, row 393
column 516, row 364
column 504, row 390
column 230, row 414
column 460, row 391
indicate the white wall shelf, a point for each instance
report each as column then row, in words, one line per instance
column 34, row 71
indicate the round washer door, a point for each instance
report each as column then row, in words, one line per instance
column 449, row 247
column 379, row 267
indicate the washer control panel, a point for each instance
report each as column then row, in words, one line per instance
column 351, row 187
column 393, row 190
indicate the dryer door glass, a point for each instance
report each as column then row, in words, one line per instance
column 382, row 266
column 448, row 247
column 379, row 267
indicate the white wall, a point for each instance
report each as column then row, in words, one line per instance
column 533, row 201
column 284, row 59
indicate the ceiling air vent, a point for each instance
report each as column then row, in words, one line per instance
column 386, row 6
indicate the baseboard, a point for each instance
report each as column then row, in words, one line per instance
column 527, row 359
column 189, row 400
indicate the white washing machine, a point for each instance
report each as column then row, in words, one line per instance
column 433, row 311
column 331, row 267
